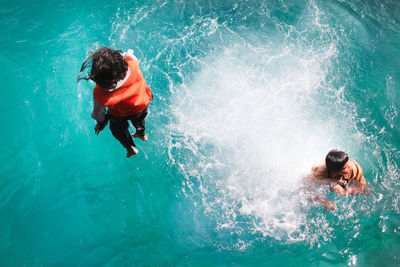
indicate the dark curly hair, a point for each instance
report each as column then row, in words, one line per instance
column 107, row 67
column 335, row 160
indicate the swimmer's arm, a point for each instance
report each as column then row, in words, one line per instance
column 100, row 126
column 99, row 114
column 361, row 187
column 326, row 203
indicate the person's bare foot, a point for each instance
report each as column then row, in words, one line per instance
column 142, row 137
column 131, row 151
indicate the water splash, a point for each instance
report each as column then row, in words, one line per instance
column 247, row 130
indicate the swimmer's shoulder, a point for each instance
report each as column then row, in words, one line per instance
column 319, row 174
column 319, row 170
column 357, row 172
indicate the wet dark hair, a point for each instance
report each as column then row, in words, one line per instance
column 335, row 160
column 107, row 67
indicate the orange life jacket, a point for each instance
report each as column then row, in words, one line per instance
column 354, row 175
column 357, row 172
column 131, row 98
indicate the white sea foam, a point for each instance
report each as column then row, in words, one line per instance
column 250, row 133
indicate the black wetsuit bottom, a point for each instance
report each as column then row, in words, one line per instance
column 120, row 127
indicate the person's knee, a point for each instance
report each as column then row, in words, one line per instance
column 118, row 128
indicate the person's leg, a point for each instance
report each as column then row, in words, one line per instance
column 138, row 121
column 120, row 130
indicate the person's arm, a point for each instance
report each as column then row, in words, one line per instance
column 329, row 205
column 360, row 187
column 318, row 173
column 99, row 114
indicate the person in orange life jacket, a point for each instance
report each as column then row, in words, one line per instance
column 343, row 174
column 121, row 88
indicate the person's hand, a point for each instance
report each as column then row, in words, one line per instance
column 330, row 206
column 338, row 189
column 98, row 129
column 100, row 126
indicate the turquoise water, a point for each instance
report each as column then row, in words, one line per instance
column 248, row 95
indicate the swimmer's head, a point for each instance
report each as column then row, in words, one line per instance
column 335, row 161
column 107, row 67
